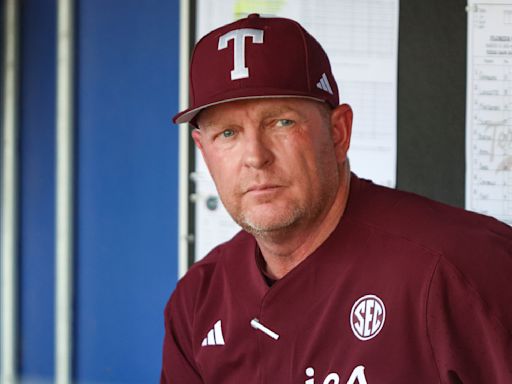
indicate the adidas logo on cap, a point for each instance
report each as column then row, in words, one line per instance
column 324, row 84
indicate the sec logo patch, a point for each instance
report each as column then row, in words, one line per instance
column 367, row 317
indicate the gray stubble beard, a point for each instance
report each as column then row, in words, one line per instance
column 266, row 231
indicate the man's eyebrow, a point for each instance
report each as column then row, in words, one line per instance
column 279, row 110
column 207, row 123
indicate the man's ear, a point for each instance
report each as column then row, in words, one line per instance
column 341, row 129
column 196, row 136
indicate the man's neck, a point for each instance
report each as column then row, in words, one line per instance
column 284, row 251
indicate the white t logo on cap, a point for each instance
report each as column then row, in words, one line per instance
column 238, row 35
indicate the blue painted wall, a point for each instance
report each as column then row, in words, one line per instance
column 127, row 187
column 37, row 180
column 127, row 183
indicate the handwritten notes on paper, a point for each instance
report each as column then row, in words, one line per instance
column 489, row 110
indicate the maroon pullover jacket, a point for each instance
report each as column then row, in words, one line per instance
column 405, row 290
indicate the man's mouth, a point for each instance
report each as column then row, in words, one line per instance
column 263, row 188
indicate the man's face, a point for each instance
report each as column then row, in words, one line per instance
column 275, row 162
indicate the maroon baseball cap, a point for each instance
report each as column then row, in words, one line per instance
column 258, row 57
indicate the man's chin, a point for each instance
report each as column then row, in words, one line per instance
column 272, row 223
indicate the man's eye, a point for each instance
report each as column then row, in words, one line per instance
column 284, row 122
column 228, row 133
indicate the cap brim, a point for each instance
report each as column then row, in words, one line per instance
column 190, row 114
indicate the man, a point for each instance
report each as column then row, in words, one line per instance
column 333, row 279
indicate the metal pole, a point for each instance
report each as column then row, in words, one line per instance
column 183, row 242
column 64, row 193
column 9, row 281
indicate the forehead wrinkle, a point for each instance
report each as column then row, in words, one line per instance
column 221, row 115
column 211, row 122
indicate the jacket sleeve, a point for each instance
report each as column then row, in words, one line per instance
column 470, row 329
column 178, row 366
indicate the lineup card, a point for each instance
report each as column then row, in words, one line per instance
column 489, row 110
column 361, row 40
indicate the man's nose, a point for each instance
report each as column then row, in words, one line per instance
column 257, row 151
